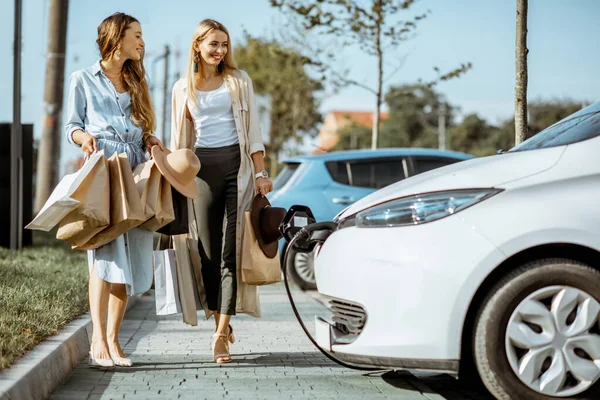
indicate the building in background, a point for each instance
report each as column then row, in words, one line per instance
column 336, row 120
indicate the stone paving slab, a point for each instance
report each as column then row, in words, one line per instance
column 272, row 359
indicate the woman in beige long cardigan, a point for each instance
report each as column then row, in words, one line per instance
column 197, row 124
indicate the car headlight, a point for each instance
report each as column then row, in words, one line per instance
column 418, row 209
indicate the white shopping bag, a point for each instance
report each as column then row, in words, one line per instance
column 166, row 289
column 61, row 201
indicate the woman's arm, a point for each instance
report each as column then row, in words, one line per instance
column 254, row 133
column 76, row 109
column 257, row 148
column 263, row 185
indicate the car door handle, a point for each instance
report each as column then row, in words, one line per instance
column 343, row 200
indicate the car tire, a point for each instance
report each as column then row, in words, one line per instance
column 496, row 356
column 298, row 273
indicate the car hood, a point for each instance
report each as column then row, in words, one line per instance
column 486, row 172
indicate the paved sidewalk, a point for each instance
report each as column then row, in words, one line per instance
column 272, row 359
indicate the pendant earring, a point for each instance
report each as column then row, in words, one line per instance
column 118, row 55
column 196, row 57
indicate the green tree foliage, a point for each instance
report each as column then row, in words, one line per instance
column 476, row 136
column 543, row 113
column 413, row 122
column 353, row 136
column 413, row 117
column 280, row 73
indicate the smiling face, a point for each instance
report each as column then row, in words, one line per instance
column 132, row 45
column 213, row 48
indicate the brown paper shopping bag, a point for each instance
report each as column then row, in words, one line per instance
column 155, row 193
column 65, row 197
column 165, row 213
column 93, row 213
column 147, row 180
column 257, row 268
column 126, row 210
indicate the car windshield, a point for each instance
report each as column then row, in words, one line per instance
column 583, row 125
column 284, row 176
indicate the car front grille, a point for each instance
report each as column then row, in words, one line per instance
column 348, row 317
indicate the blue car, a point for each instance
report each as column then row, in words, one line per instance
column 328, row 183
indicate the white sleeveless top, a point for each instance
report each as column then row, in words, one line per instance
column 213, row 118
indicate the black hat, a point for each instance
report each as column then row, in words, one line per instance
column 265, row 222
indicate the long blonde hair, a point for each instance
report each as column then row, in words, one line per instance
column 226, row 66
column 133, row 74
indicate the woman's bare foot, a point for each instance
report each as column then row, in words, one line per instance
column 99, row 349
column 116, row 350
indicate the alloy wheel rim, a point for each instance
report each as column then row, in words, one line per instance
column 305, row 265
column 552, row 341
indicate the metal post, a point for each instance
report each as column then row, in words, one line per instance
column 16, row 187
column 442, row 126
column 165, row 96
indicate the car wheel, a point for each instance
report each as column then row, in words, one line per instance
column 537, row 334
column 301, row 269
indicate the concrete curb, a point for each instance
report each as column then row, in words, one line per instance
column 39, row 372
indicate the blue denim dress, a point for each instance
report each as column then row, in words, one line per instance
column 95, row 107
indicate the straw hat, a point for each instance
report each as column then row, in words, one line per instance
column 179, row 167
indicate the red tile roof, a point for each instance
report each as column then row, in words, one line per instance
column 364, row 118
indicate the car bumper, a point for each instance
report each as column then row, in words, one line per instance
column 414, row 284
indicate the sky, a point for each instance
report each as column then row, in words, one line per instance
column 562, row 40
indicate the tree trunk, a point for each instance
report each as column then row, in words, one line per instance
column 521, row 73
column 273, row 145
column 376, row 119
column 48, row 162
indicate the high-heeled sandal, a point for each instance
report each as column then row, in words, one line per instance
column 230, row 335
column 220, row 349
column 99, row 362
column 120, row 361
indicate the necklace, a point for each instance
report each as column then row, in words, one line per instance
column 115, row 80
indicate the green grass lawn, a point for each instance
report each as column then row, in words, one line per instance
column 41, row 289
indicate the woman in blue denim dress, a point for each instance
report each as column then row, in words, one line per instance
column 109, row 108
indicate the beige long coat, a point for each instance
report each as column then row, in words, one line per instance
column 183, row 135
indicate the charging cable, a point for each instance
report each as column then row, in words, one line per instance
column 303, row 237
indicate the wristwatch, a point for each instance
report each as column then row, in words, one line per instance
column 261, row 174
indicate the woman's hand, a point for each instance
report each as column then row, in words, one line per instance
column 263, row 186
column 88, row 144
column 152, row 141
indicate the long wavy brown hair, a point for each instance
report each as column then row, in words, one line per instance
column 133, row 74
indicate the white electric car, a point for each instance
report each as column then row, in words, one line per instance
column 492, row 263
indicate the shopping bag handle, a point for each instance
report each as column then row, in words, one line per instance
column 88, row 156
column 159, row 242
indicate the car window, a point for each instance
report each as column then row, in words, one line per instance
column 376, row 173
column 338, row 171
column 583, row 125
column 424, row 164
column 284, row 176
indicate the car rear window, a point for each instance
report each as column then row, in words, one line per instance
column 368, row 173
column 583, row 125
column 284, row 176
column 338, row 171
column 376, row 173
column 424, row 164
